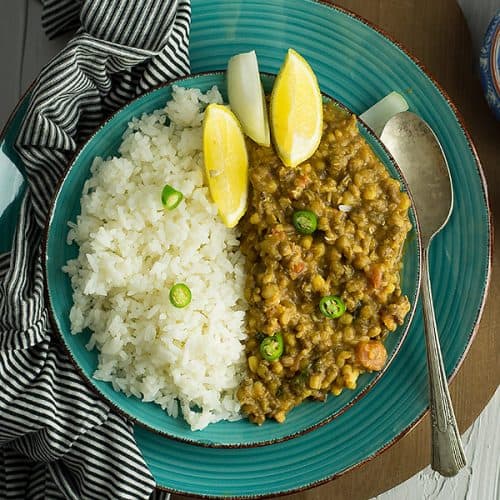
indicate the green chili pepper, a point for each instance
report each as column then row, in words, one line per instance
column 170, row 197
column 180, row 295
column 271, row 348
column 332, row 306
column 305, row 221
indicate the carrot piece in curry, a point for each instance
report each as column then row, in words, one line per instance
column 371, row 354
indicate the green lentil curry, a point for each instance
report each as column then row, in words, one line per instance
column 354, row 255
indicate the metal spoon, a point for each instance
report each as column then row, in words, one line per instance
column 417, row 151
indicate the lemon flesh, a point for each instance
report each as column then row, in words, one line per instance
column 246, row 96
column 226, row 162
column 296, row 110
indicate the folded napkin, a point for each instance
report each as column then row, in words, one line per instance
column 57, row 438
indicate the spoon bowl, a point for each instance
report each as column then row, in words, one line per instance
column 416, row 149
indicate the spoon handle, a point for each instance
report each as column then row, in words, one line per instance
column 448, row 456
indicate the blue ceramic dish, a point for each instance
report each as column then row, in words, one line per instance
column 357, row 64
column 66, row 206
column 489, row 65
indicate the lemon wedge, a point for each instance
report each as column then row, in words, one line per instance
column 296, row 110
column 226, row 162
column 246, row 96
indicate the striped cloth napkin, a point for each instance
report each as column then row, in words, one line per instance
column 58, row 440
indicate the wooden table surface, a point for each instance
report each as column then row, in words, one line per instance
column 436, row 33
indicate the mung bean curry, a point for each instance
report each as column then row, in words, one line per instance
column 323, row 244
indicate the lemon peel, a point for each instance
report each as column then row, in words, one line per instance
column 296, row 110
column 226, row 162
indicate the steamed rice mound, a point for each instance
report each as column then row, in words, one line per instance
column 131, row 252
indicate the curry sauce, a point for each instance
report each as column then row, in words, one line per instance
column 355, row 254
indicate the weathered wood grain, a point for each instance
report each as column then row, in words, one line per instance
column 479, row 480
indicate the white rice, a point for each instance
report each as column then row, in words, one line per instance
column 130, row 254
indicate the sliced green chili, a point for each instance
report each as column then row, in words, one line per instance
column 332, row 306
column 170, row 197
column 180, row 295
column 305, row 221
column 271, row 348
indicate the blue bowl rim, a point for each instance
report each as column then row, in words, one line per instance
column 488, row 65
column 88, row 380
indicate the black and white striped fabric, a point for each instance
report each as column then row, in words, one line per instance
column 57, row 438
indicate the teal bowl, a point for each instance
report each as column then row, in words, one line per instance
column 66, row 206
